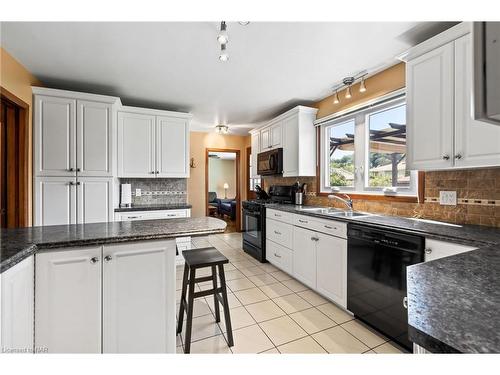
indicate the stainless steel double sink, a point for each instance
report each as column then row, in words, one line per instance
column 333, row 212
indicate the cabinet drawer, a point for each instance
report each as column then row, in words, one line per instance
column 151, row 215
column 330, row 227
column 279, row 256
column 279, row 232
column 285, row 217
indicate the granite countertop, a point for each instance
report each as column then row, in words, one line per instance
column 154, row 207
column 18, row 244
column 453, row 302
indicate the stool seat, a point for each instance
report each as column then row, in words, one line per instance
column 205, row 257
column 208, row 257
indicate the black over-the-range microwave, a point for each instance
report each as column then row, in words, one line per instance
column 270, row 162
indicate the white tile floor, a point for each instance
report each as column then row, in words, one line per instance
column 273, row 313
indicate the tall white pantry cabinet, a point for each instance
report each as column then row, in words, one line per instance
column 73, row 156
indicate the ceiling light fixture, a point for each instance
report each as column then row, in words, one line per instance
column 346, row 85
column 223, row 53
column 336, row 99
column 222, row 129
column 348, row 81
column 223, row 38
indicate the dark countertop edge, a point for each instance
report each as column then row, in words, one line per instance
column 153, row 208
column 428, row 342
column 38, row 248
column 365, row 222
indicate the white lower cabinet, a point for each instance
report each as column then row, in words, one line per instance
column 331, row 269
column 435, row 249
column 139, row 298
column 17, row 308
column 152, row 215
column 304, row 256
column 110, row 299
column 68, row 301
column 279, row 256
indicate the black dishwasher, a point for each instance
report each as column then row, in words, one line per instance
column 376, row 278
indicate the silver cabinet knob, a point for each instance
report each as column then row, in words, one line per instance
column 405, row 302
column 78, row 169
column 71, row 169
column 428, row 250
column 458, row 156
column 157, row 172
column 71, row 183
column 446, row 157
column 94, row 260
column 152, row 172
column 107, row 258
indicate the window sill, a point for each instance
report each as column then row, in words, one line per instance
column 376, row 197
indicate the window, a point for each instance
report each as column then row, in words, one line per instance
column 365, row 152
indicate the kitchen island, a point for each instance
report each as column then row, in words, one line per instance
column 93, row 288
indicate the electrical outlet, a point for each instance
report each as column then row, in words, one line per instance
column 138, row 192
column 448, row 198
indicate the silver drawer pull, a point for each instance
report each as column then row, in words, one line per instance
column 277, row 256
column 276, row 232
column 314, row 238
column 405, row 302
column 277, row 215
column 329, row 227
column 133, row 217
column 303, row 221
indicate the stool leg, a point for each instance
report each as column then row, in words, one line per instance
column 183, row 298
column 189, row 318
column 229, row 329
column 216, row 300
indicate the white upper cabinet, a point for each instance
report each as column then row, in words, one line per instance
column 94, row 200
column 441, row 131
column 294, row 131
column 477, row 143
column 55, row 136
column 94, row 139
column 429, row 82
column 152, row 143
column 136, row 145
column 172, row 147
column 255, row 144
column 55, row 200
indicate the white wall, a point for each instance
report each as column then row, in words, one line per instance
column 219, row 172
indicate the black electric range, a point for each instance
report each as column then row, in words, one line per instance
column 254, row 219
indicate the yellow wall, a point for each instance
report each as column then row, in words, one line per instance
column 200, row 141
column 377, row 85
column 17, row 80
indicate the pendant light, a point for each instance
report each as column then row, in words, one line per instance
column 348, row 93
column 223, row 53
column 362, row 86
column 223, row 38
column 348, row 81
column 336, row 99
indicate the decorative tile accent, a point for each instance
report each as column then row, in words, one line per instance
column 158, row 190
column 468, row 201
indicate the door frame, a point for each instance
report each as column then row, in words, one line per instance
column 238, row 182
column 23, row 156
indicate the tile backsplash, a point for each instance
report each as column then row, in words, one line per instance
column 158, row 190
column 478, row 196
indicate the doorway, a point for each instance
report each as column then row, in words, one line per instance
column 222, row 186
column 14, row 156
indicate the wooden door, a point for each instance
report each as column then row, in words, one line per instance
column 94, row 139
column 139, row 297
column 172, row 147
column 55, row 136
column 136, row 145
column 68, row 301
column 430, row 92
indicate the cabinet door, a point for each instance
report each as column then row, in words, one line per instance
column 291, row 147
column 17, row 307
column 94, row 138
column 94, row 200
column 139, row 298
column 136, row 145
column 477, row 143
column 439, row 249
column 55, row 200
column 265, row 139
column 255, row 144
column 276, row 135
column 68, row 301
column 332, row 268
column 304, row 256
column 429, row 116
column 172, row 147
column 55, row 136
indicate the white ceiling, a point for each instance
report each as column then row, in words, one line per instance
column 174, row 65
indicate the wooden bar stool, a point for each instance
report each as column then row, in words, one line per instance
column 196, row 259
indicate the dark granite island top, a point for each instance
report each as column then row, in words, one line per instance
column 18, row 244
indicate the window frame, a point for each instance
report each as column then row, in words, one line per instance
column 361, row 155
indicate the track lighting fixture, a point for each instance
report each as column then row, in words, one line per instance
column 223, row 38
column 346, row 84
column 336, row 99
column 223, row 53
column 362, row 86
column 348, row 93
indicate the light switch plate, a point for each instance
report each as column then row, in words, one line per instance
column 138, row 192
column 448, row 198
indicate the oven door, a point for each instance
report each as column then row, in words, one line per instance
column 252, row 228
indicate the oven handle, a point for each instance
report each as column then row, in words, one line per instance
column 250, row 213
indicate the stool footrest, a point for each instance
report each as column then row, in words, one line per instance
column 208, row 292
column 202, row 279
